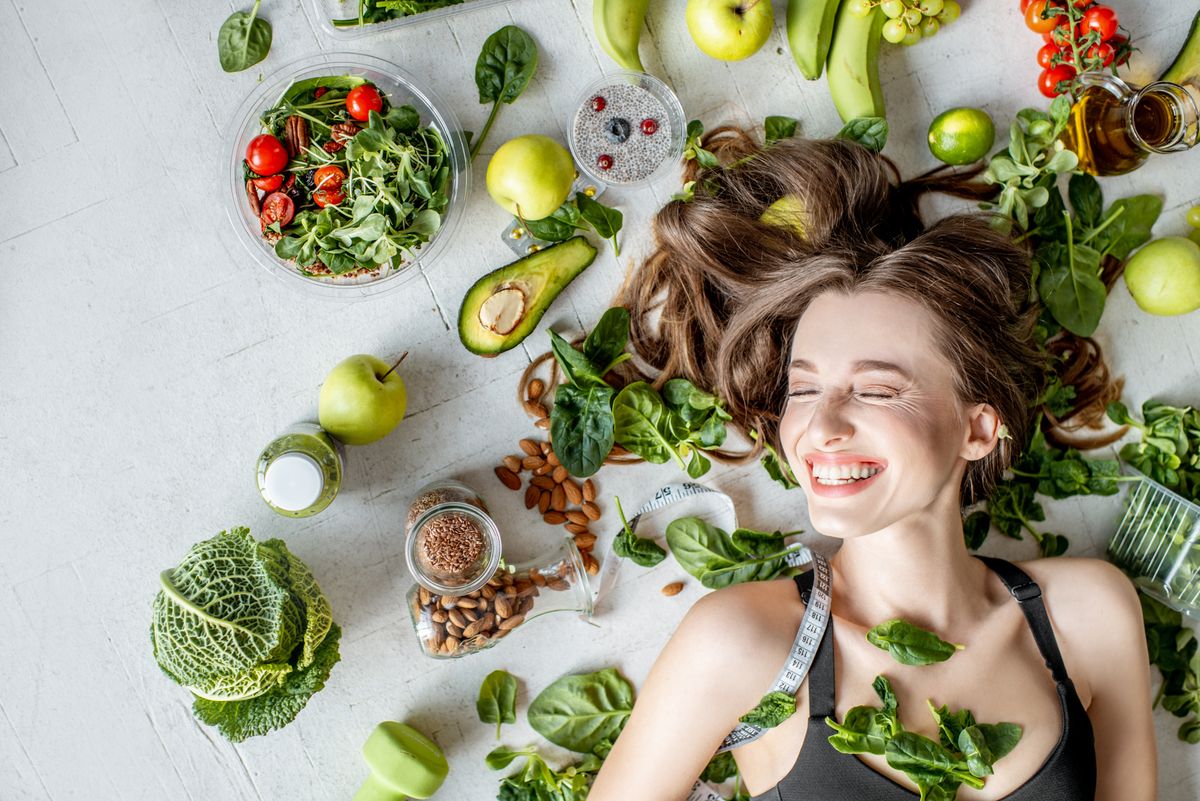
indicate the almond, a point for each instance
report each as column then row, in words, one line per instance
column 536, row 409
column 504, row 607
column 451, row 645
column 577, row 517
column 544, row 502
column 532, row 462
column 467, row 603
column 546, row 449
column 536, row 388
column 458, row 618
column 513, row 463
column 554, row 517
column 488, row 591
column 438, row 616
column 424, row 595
column 590, row 564
column 453, row 630
column 483, row 624
column 591, row 510
column 252, row 196
column 589, row 490
column 531, row 447
column 575, row 528
column 585, row 540
column 542, row 482
column 560, row 474
column 544, row 469
column 558, row 584
column 558, row 499
column 552, row 458
column 531, row 497
column 538, row 579
column 574, row 494
column 543, row 424
column 511, row 623
column 508, row 478
column 673, row 588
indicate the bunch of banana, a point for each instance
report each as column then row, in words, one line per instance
column 618, row 26
column 853, row 67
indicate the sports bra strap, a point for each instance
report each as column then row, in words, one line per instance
column 1029, row 596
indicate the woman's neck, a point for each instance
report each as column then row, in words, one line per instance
column 918, row 568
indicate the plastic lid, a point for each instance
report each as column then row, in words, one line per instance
column 293, row 481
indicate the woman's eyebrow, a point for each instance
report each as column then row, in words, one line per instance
column 861, row 366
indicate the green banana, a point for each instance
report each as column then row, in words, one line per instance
column 618, row 26
column 809, row 32
column 854, row 64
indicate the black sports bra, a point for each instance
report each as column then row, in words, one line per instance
column 823, row 774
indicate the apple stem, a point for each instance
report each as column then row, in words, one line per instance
column 403, row 356
column 524, row 224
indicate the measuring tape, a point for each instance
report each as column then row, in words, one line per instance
column 812, row 626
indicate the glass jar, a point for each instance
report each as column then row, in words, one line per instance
column 443, row 491
column 450, row 626
column 300, row 471
column 453, row 548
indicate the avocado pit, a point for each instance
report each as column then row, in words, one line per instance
column 503, row 310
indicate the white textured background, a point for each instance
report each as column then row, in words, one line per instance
column 145, row 360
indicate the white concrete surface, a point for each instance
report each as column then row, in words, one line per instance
column 145, row 360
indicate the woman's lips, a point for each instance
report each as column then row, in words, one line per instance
column 841, row 490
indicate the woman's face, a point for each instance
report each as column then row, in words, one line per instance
column 872, row 426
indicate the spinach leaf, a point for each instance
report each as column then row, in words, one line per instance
column 860, row 732
column 505, row 66
column 774, row 708
column 606, row 221
column 497, row 701
column 576, row 366
column 581, row 425
column 1131, row 229
column 974, row 747
column 711, row 555
column 1001, row 738
column 1070, row 286
column 604, row 347
column 777, row 468
column 243, row 40
column 720, row 768
column 909, row 644
column 403, row 119
column 870, row 132
column 579, row 712
column 1086, row 199
column 537, row 781
column 975, row 529
column 640, row 550
column 757, row 543
column 558, row 226
column 642, row 424
column 776, row 128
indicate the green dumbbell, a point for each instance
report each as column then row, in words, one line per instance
column 404, row 764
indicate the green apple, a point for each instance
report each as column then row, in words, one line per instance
column 362, row 400
column 787, row 212
column 730, row 30
column 1164, row 276
column 530, row 176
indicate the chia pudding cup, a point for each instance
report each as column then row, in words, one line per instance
column 627, row 130
column 482, row 537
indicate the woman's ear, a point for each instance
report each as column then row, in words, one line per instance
column 984, row 432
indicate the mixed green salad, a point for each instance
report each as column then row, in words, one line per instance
column 353, row 185
column 371, row 11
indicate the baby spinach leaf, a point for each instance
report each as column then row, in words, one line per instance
column 1001, row 738
column 1070, row 286
column 776, row 128
column 774, row 708
column 581, row 425
column 870, row 132
column 883, row 688
column 859, row 733
column 709, row 554
column 500, row 758
column 951, row 724
column 497, row 701
column 504, row 68
column 605, row 344
column 642, row 424
column 558, row 226
column 720, row 768
column 1131, row 229
column 974, row 747
column 404, row 119
column 778, row 469
column 578, row 369
column 243, row 40
column 1086, row 199
column 606, row 221
column 975, row 529
column 757, row 543
column 579, row 712
column 909, row 644
column 640, row 550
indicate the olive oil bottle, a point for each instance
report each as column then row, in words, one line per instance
column 1113, row 128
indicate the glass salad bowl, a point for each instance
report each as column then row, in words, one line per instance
column 346, row 282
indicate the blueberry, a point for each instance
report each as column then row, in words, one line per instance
column 617, row 130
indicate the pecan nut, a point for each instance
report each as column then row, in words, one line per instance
column 333, row 147
column 344, row 131
column 252, row 196
column 295, row 135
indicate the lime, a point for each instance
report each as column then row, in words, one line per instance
column 961, row 135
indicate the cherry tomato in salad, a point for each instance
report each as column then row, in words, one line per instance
column 327, row 197
column 329, row 178
column 276, row 208
column 268, row 183
column 1103, row 52
column 1102, row 20
column 1049, row 80
column 266, row 155
column 1034, row 20
column 1047, row 54
column 362, row 100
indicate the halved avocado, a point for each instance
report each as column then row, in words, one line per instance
column 1186, row 66
column 504, row 306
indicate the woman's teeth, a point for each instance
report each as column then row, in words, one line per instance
column 836, row 475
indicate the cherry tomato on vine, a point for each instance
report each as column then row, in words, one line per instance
column 329, row 178
column 362, row 100
column 1118, row 42
column 277, row 207
column 268, row 183
column 1083, row 3
column 1102, row 20
column 266, row 155
column 1025, row 5
column 1049, row 80
column 1047, row 54
column 1061, row 36
column 1103, row 52
column 327, row 197
column 1034, row 20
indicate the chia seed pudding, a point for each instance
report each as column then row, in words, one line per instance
column 622, row 134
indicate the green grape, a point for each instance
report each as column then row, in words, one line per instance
column 913, row 17
column 911, row 38
column 930, row 27
column 950, row 12
column 892, row 8
column 860, row 8
column 931, row 8
column 894, row 31
column 1193, row 216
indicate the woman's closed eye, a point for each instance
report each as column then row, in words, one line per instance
column 870, row 393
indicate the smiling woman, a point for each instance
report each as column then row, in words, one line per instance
column 892, row 366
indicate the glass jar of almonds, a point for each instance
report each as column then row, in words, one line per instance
column 454, row 625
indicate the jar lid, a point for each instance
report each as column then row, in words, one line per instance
column 293, row 481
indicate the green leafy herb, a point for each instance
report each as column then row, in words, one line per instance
column 720, row 768
column 605, row 345
column 776, row 128
column 583, row 711
column 375, row 11
column 606, row 221
column 909, row 644
column 560, row 225
column 640, row 550
column 1169, row 450
column 870, row 132
column 497, row 702
column 243, row 40
column 505, row 66
column 1033, row 160
column 692, row 148
column 581, row 425
column 975, row 529
column 537, row 781
column 774, row 708
column 719, row 559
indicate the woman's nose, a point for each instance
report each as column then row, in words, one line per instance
column 829, row 423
